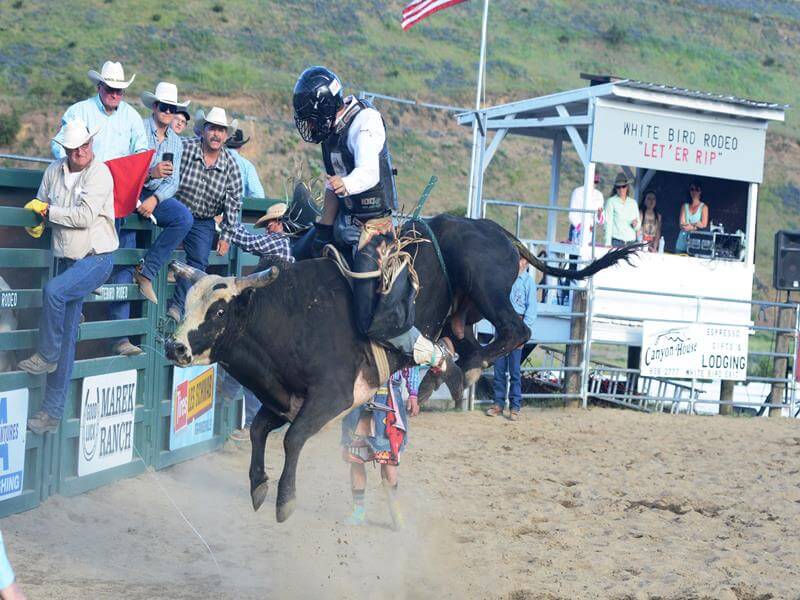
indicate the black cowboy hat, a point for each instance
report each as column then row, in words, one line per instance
column 237, row 140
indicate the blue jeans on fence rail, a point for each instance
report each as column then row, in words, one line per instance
column 176, row 220
column 62, row 299
column 509, row 364
column 197, row 245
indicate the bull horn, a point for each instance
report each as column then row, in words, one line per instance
column 257, row 280
column 186, row 272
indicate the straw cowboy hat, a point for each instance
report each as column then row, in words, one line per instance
column 216, row 116
column 276, row 211
column 621, row 180
column 165, row 92
column 75, row 134
column 111, row 75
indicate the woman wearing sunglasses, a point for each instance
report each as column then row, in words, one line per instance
column 622, row 214
column 694, row 216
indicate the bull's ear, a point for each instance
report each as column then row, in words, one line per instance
column 186, row 272
column 257, row 280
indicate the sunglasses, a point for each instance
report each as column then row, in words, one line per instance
column 167, row 108
column 694, row 189
column 82, row 148
column 624, row 185
column 113, row 91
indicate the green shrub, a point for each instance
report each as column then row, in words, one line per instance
column 76, row 89
column 615, row 35
column 9, row 128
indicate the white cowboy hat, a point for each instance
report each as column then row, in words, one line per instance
column 276, row 211
column 165, row 92
column 215, row 116
column 74, row 134
column 112, row 75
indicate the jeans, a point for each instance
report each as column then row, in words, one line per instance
column 62, row 299
column 230, row 389
column 508, row 364
column 176, row 220
column 197, row 245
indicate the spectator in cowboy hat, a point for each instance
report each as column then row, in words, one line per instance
column 77, row 197
column 180, row 121
column 269, row 246
column 121, row 127
column 210, row 184
column 157, row 199
column 252, row 185
column 621, row 214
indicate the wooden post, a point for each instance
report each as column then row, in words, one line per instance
column 577, row 330
column 782, row 343
column 726, row 394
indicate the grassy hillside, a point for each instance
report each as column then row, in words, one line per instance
column 246, row 54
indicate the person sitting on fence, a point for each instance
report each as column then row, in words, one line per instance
column 621, row 214
column 120, row 128
column 210, row 184
column 370, row 435
column 250, row 180
column 523, row 299
column 180, row 121
column 77, row 197
column 157, row 199
column 269, row 246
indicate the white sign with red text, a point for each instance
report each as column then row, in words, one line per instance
column 670, row 140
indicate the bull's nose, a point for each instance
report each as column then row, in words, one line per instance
column 176, row 351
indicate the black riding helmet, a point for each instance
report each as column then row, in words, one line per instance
column 317, row 98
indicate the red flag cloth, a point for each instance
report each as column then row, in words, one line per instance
column 417, row 10
column 129, row 173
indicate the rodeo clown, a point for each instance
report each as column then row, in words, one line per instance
column 360, row 196
column 380, row 437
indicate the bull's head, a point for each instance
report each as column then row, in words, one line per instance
column 207, row 308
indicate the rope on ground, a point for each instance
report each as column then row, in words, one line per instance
column 179, row 511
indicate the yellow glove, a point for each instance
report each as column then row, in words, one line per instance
column 38, row 207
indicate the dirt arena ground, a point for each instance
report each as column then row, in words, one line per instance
column 563, row 504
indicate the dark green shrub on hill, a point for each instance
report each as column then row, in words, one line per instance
column 76, row 89
column 9, row 128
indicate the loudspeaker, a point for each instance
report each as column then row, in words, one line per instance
column 786, row 269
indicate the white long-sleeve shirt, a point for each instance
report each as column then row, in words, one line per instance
column 365, row 139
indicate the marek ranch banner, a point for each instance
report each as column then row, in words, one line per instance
column 694, row 350
column 107, row 412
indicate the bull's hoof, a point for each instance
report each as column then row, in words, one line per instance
column 284, row 511
column 259, row 494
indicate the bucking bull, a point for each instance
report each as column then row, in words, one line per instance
column 288, row 333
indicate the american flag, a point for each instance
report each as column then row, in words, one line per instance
column 417, row 10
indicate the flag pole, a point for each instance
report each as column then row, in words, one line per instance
column 472, row 200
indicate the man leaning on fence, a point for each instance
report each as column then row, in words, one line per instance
column 210, row 184
column 158, row 202
column 523, row 299
column 76, row 196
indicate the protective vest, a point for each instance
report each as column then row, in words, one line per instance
column 375, row 202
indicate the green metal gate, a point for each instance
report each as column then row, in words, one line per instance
column 51, row 461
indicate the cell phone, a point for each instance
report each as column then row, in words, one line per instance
column 167, row 157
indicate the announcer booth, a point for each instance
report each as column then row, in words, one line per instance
column 663, row 138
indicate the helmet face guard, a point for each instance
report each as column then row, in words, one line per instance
column 317, row 98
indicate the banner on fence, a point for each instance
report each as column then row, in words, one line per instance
column 193, row 392
column 107, row 412
column 13, row 422
column 695, row 350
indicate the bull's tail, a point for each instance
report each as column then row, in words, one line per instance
column 611, row 258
